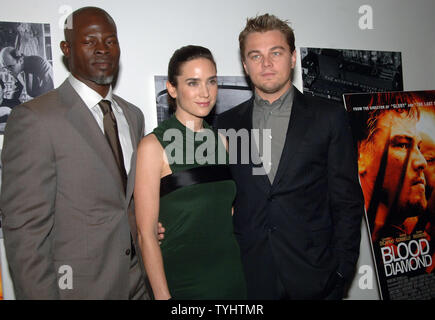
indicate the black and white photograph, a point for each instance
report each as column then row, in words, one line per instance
column 330, row 73
column 26, row 64
column 232, row 90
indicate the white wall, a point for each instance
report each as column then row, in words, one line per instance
column 149, row 32
column 8, row 289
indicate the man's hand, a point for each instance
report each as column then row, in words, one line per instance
column 160, row 232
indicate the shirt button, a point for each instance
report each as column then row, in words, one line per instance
column 127, row 252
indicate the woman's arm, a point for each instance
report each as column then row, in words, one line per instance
column 146, row 197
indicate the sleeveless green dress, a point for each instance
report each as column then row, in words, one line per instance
column 201, row 255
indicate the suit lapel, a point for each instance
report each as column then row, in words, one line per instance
column 245, row 115
column 81, row 118
column 300, row 120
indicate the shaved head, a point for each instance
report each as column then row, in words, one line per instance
column 80, row 15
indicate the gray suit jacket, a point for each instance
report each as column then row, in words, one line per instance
column 63, row 203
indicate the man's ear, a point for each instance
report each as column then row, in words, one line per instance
column 245, row 68
column 66, row 48
column 293, row 59
column 172, row 90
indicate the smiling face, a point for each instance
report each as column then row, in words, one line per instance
column 267, row 60
column 92, row 49
column 196, row 89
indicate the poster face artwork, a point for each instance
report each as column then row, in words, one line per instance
column 25, row 64
column 395, row 135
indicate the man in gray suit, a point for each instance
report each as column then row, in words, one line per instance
column 68, row 219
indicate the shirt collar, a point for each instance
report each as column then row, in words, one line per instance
column 264, row 103
column 89, row 96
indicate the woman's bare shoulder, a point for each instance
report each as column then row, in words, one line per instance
column 150, row 146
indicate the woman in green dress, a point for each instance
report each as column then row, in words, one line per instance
column 183, row 181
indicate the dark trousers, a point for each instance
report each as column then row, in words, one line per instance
column 336, row 293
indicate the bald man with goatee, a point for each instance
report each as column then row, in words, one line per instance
column 68, row 214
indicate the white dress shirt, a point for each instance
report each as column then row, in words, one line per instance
column 91, row 98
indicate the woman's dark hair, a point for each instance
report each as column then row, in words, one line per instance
column 181, row 56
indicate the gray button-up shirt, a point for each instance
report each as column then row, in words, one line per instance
column 274, row 116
